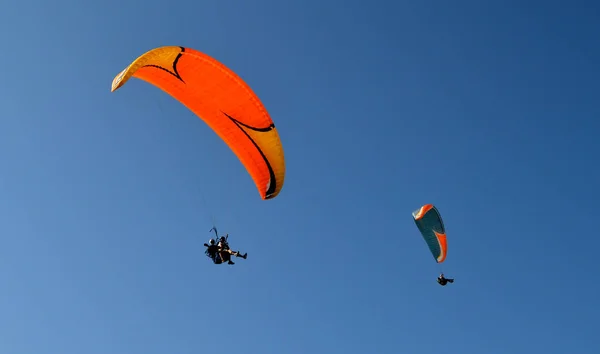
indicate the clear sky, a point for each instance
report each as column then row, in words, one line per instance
column 487, row 109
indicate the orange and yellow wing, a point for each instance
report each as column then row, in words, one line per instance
column 221, row 99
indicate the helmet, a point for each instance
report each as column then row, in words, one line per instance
column 211, row 241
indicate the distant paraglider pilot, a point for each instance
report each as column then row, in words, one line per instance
column 221, row 252
column 443, row 280
column 212, row 251
column 226, row 251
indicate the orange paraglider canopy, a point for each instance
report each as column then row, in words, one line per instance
column 221, row 99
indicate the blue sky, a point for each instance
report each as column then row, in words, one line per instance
column 486, row 109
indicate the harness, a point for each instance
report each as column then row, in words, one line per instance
column 211, row 251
